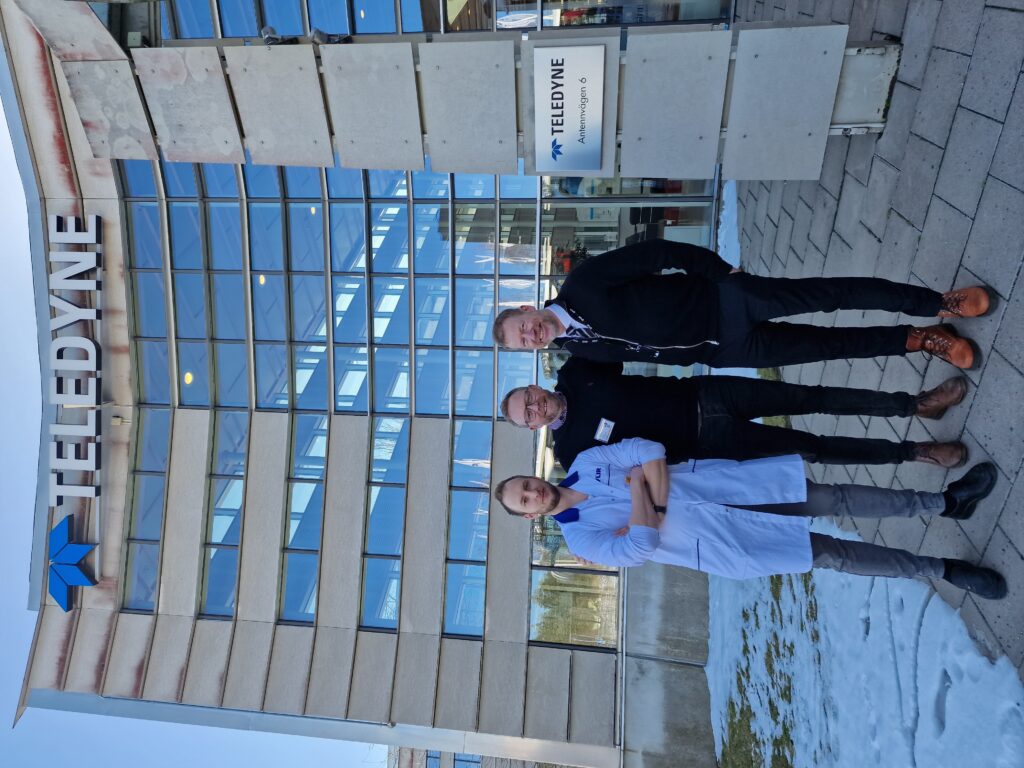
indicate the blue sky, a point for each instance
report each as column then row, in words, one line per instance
column 45, row 738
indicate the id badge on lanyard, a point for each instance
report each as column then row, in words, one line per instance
column 604, row 431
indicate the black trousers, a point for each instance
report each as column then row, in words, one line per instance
column 748, row 302
column 727, row 403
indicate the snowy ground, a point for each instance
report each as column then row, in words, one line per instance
column 836, row 670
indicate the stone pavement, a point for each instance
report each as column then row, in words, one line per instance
column 936, row 199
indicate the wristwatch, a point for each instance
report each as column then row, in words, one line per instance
column 660, row 508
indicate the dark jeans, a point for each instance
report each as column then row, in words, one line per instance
column 748, row 302
column 728, row 402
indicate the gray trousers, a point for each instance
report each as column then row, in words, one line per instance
column 865, row 501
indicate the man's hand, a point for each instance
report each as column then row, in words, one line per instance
column 622, row 531
column 734, row 270
column 583, row 560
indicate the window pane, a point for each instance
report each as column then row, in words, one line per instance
column 391, row 379
column 268, row 307
column 306, row 237
column 349, row 309
column 190, row 305
column 302, row 182
column 425, row 183
column 309, row 446
column 390, row 449
column 431, row 236
column 473, row 383
column 474, row 311
column 432, row 381
column 384, row 525
column 150, row 319
column 138, row 177
column 515, row 293
column 464, row 599
column 341, row 181
column 461, row 16
column 232, row 374
column 389, row 237
column 471, row 454
column 574, row 608
column 265, row 249
column 261, row 180
column 515, row 369
column 228, row 307
column 298, row 603
column 140, row 582
column 194, row 373
column 285, row 16
column 474, row 239
column 309, row 311
column 219, row 178
column 329, row 16
column 386, row 183
column 225, row 522
column 271, row 376
column 225, row 220
column 381, row 582
column 311, row 377
column 153, row 437
column 230, row 442
column 186, row 246
column 518, row 186
column 305, row 510
column 194, row 19
column 179, row 179
column 348, row 243
column 154, row 374
column 467, row 529
column 473, row 185
column 433, row 313
column 350, row 379
column 517, row 247
column 219, row 589
column 147, row 507
column 146, row 236
column 391, row 310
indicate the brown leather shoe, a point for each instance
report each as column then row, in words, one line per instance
column 948, row 455
column 966, row 302
column 942, row 341
column 933, row 403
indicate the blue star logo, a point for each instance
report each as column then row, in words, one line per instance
column 66, row 564
column 556, row 149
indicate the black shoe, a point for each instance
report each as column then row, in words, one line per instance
column 963, row 495
column 980, row 581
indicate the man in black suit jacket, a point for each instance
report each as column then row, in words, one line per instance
column 709, row 416
column 618, row 306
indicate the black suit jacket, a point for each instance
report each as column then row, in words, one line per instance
column 657, row 408
column 642, row 314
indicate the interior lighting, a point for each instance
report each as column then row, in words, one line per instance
column 188, row 377
column 263, row 279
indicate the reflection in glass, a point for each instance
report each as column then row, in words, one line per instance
column 225, row 221
column 179, row 179
column 468, row 15
column 268, row 307
column 193, row 373
column 298, row 601
column 350, row 379
column 309, row 447
column 186, row 246
column 150, row 319
column 152, row 439
column 390, row 379
column 384, row 525
column 194, row 19
column 311, row 377
column 432, row 381
column 301, row 181
column 389, row 237
column 390, row 449
column 283, row 15
column 309, row 313
column 467, row 529
column 472, row 185
column 474, row 311
column 225, row 520
column 471, row 454
column 464, row 590
column 265, row 233
column 432, row 311
column 381, row 581
column 391, row 310
column 306, row 237
column 141, row 578
column 515, row 369
column 517, row 246
column 515, row 293
column 473, row 379
column 349, row 309
column 387, row 183
column 154, row 374
column 271, row 376
column 228, row 306
column 145, row 252
column 420, row 16
column 232, row 374
column 190, row 305
column 426, row 183
column 231, row 436
column 474, row 239
column 519, row 186
column 261, row 180
column 575, row 608
column 341, row 181
column 430, row 233
column 219, row 178
column 348, row 242
column 221, row 570
column 305, row 511
column 329, row 16
column 139, row 180
column 147, row 507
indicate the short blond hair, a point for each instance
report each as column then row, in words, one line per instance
column 498, row 330
column 504, row 406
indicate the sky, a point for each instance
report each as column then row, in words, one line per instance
column 85, row 740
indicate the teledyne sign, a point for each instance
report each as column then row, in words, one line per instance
column 568, row 97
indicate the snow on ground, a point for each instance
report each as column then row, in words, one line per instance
column 828, row 669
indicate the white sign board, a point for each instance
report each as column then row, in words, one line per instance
column 568, row 101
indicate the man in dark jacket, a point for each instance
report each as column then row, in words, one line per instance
column 709, row 416
column 618, row 306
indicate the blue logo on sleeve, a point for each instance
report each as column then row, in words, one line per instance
column 556, row 149
column 66, row 564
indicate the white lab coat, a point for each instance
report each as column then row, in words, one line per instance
column 700, row 529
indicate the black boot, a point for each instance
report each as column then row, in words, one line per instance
column 980, row 581
column 963, row 495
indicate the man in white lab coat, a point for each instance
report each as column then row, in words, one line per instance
column 621, row 505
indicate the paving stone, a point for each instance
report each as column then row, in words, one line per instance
column 981, row 330
column 889, row 17
column 839, row 258
column 810, row 374
column 864, row 374
column 1008, row 163
column 942, row 245
column 996, row 243
column 782, row 237
column 858, row 157
column 881, row 187
column 994, row 417
column 1010, row 338
column 899, row 247
column 882, row 475
column 866, row 250
column 1006, row 617
column 862, row 20
column 851, row 426
column 867, row 528
column 851, row 201
column 768, row 241
column 965, row 164
column 842, row 10
column 790, row 197
column 1012, row 518
column 958, row 25
column 977, row 627
column 836, row 373
column 986, row 515
column 918, row 30
column 902, row 106
column 775, row 200
column 794, row 266
column 943, row 80
column 814, row 261
column 900, row 376
column 914, row 189
column 823, row 220
column 801, row 228
column 901, row 533
column 761, row 209
column 778, row 267
column 832, row 165
column 943, row 538
column 996, row 62
column 1013, row 5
